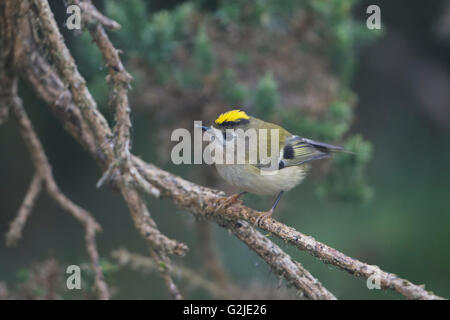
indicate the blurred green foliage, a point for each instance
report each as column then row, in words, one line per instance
column 233, row 92
column 153, row 37
column 266, row 96
column 203, row 54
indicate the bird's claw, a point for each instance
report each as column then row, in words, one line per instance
column 225, row 202
column 263, row 216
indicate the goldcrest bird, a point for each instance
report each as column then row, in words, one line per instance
column 291, row 157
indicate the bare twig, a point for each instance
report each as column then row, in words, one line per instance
column 194, row 279
column 15, row 230
column 147, row 226
column 120, row 80
column 165, row 269
column 44, row 282
column 92, row 16
column 44, row 171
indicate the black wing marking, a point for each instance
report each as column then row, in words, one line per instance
column 298, row 150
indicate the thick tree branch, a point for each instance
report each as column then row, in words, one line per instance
column 278, row 260
column 204, row 202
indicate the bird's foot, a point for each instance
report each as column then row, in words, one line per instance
column 225, row 202
column 262, row 217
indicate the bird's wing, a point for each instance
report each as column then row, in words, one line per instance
column 298, row 150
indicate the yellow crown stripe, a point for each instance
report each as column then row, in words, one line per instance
column 231, row 116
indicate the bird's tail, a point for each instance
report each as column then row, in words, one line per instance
column 326, row 147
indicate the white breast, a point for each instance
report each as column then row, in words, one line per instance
column 263, row 183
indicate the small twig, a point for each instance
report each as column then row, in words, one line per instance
column 143, row 184
column 119, row 79
column 15, row 229
column 165, row 270
column 93, row 16
column 44, row 171
column 146, row 225
column 105, row 176
column 194, row 279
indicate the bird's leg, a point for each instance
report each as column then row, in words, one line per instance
column 227, row 201
column 268, row 214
